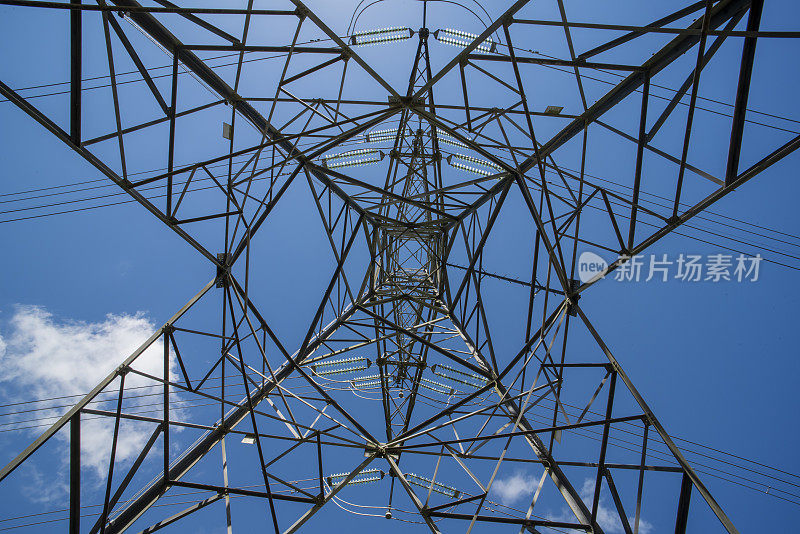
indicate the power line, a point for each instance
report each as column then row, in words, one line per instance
column 571, row 409
column 277, row 56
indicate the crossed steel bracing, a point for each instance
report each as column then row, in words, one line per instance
column 399, row 383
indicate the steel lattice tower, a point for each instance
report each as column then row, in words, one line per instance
column 403, row 390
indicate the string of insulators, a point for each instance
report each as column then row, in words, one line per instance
column 376, row 136
column 438, row 387
column 366, row 378
column 469, row 168
column 437, row 487
column 462, row 39
column 368, row 385
column 380, row 36
column 479, row 161
column 456, row 375
column 364, row 477
column 349, row 153
column 449, row 140
column 366, row 382
column 352, row 158
column 344, row 365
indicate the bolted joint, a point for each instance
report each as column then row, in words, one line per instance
column 223, row 270
column 223, row 427
column 574, row 297
column 301, row 12
column 374, row 448
column 405, row 101
column 168, row 329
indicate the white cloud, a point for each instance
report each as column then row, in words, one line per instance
column 41, row 357
column 513, row 488
column 607, row 516
column 43, row 488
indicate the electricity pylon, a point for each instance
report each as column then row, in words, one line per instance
column 415, row 386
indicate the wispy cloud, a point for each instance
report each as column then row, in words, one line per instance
column 510, row 490
column 607, row 516
column 42, row 357
column 41, row 488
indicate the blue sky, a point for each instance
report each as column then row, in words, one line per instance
column 717, row 362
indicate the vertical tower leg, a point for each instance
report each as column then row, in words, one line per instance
column 683, row 505
column 75, row 474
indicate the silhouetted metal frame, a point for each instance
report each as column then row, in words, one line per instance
column 724, row 12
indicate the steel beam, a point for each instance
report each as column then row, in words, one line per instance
column 665, row 437
column 512, row 410
column 723, row 11
column 67, row 417
column 685, row 497
column 76, row 42
column 165, row 38
column 75, row 474
column 743, row 91
column 152, row 493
